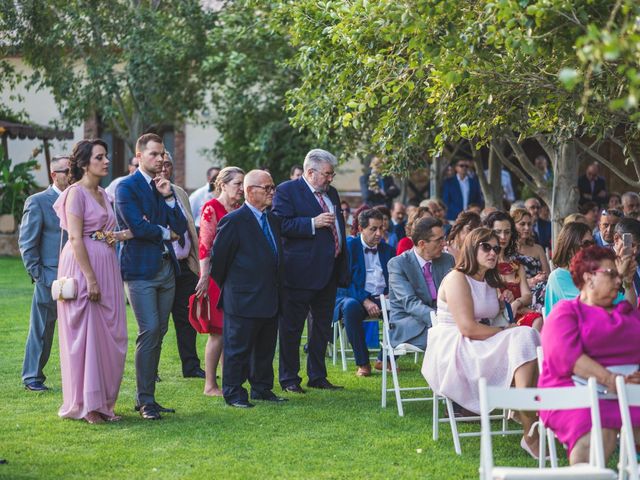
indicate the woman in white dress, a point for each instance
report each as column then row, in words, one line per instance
column 463, row 347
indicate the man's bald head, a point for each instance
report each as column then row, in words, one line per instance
column 259, row 189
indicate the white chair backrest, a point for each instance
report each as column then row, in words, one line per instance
column 563, row 398
column 434, row 318
column 628, row 396
column 384, row 306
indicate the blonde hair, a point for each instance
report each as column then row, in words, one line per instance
column 226, row 175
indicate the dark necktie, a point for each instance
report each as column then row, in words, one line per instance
column 265, row 229
column 334, row 232
column 370, row 250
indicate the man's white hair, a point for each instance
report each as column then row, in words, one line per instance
column 317, row 157
column 55, row 162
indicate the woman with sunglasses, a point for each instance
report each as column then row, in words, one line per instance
column 590, row 336
column 560, row 286
column 463, row 346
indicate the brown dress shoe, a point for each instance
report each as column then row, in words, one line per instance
column 364, row 371
column 378, row 366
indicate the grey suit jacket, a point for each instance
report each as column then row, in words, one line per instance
column 194, row 257
column 39, row 237
column 409, row 297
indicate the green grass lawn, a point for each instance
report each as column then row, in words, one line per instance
column 319, row 435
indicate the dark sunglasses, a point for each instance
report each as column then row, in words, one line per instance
column 65, row 171
column 486, row 247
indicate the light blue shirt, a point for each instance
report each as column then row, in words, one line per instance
column 258, row 214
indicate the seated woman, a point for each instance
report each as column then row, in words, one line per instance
column 560, row 286
column 461, row 349
column 515, row 288
column 584, row 336
column 406, row 243
column 465, row 223
column 532, row 257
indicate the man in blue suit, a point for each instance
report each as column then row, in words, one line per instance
column 461, row 190
column 541, row 228
column 315, row 263
column 146, row 205
column 246, row 262
column 39, row 243
column 368, row 260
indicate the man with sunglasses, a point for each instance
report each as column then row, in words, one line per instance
column 39, row 242
column 461, row 190
column 606, row 227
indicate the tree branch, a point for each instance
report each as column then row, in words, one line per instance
column 623, row 146
column 514, row 169
column 608, row 164
column 524, row 160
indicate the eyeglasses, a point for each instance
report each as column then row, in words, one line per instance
column 266, row 188
column 64, row 170
column 587, row 243
column 325, row 174
column 486, row 247
column 610, row 272
column 436, row 240
column 462, row 165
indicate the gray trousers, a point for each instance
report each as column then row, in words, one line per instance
column 151, row 301
column 41, row 326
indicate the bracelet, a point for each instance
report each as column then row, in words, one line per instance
column 168, row 196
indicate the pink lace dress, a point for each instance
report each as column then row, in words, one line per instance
column 453, row 364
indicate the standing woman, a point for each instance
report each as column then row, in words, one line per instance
column 532, row 257
column 92, row 328
column 228, row 187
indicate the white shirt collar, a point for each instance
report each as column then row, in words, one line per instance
column 465, row 179
column 313, row 190
column 146, row 176
column 421, row 260
column 364, row 244
column 56, row 189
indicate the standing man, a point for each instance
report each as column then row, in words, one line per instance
column 295, row 173
column 202, row 195
column 592, row 186
column 39, row 242
column 246, row 262
column 186, row 281
column 461, row 190
column 541, row 228
column 315, row 263
column 398, row 224
column 146, row 205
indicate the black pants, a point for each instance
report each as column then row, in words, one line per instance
column 296, row 305
column 185, row 334
column 249, row 348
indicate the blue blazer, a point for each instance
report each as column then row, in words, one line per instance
column 244, row 267
column 543, row 237
column 358, row 270
column 309, row 259
column 141, row 210
column 452, row 195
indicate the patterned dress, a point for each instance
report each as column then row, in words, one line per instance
column 532, row 267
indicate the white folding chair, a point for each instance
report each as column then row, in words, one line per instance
column 533, row 399
column 628, row 396
column 550, row 438
column 341, row 343
column 389, row 354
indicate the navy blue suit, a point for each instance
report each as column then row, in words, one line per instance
column 452, row 195
column 543, row 237
column 250, row 279
column 312, row 274
column 349, row 301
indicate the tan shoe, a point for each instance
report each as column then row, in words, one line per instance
column 378, row 366
column 364, row 371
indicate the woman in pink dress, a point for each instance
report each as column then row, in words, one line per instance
column 586, row 336
column 463, row 346
column 228, row 187
column 92, row 328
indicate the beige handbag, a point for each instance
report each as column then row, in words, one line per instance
column 64, row 288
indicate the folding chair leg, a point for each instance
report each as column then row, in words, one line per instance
column 542, row 455
column 553, row 456
column 396, row 383
column 343, row 355
column 454, row 427
column 435, row 417
column 384, row 378
column 334, row 346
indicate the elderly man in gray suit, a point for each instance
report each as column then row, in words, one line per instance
column 414, row 279
column 39, row 242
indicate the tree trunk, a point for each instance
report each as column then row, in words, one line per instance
column 435, row 179
column 491, row 184
column 564, row 196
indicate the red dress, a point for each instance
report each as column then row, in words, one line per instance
column 212, row 212
column 404, row 244
column 523, row 317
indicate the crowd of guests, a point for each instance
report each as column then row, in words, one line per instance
column 267, row 260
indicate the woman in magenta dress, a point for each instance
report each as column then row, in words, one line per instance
column 585, row 336
column 92, row 329
column 228, row 187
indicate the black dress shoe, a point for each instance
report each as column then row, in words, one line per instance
column 268, row 396
column 158, row 407
column 293, row 389
column 158, row 379
column 36, row 387
column 149, row 411
column 241, row 404
column 324, row 384
column 199, row 373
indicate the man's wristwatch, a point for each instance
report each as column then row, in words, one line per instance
column 167, row 197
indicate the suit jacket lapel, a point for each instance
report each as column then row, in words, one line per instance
column 437, row 271
column 306, row 193
column 418, row 278
column 145, row 188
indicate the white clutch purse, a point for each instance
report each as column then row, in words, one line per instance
column 64, row 288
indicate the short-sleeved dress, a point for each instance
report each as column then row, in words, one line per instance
column 574, row 328
column 453, row 364
column 93, row 335
column 212, row 213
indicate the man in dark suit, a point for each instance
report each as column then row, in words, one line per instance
column 461, row 190
column 146, row 205
column 379, row 190
column 368, row 260
column 315, row 263
column 592, row 186
column 414, row 279
column 246, row 262
column 39, row 242
column 541, row 228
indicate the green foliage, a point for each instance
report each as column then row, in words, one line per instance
column 16, row 184
column 137, row 64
